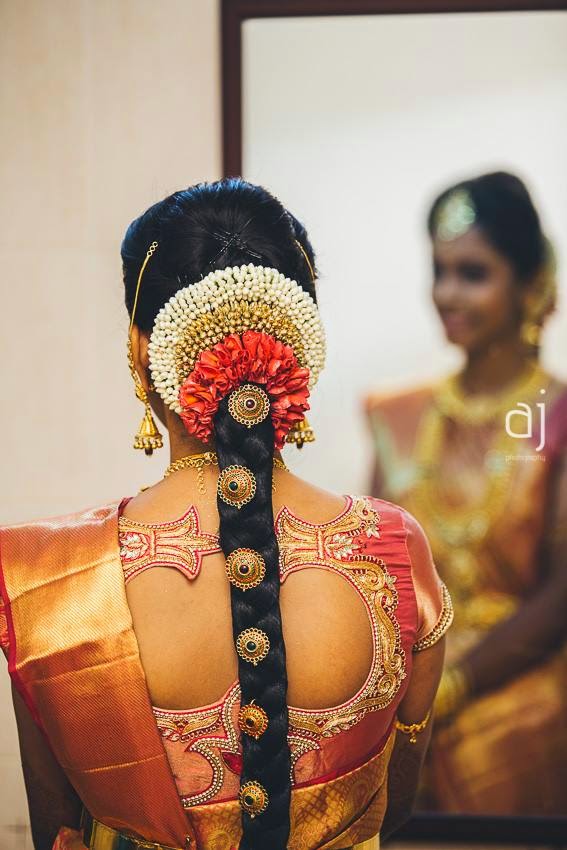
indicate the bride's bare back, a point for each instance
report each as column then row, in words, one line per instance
column 184, row 628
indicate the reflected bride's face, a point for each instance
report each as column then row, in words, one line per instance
column 475, row 291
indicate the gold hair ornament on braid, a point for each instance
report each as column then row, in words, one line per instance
column 148, row 437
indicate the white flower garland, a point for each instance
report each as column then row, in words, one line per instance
column 235, row 291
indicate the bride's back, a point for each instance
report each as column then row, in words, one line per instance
column 184, row 627
column 235, row 652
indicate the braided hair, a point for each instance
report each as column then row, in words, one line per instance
column 206, row 227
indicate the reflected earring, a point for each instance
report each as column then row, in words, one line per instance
column 148, row 437
column 540, row 302
column 301, row 433
column 530, row 333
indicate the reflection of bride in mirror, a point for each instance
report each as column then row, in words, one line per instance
column 494, row 505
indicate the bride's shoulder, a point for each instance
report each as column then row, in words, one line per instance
column 391, row 514
column 93, row 514
column 309, row 502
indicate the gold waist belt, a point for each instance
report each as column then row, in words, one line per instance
column 97, row 836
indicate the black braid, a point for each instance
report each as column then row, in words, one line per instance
column 266, row 760
column 207, row 226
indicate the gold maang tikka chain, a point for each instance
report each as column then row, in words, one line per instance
column 148, row 437
column 200, row 461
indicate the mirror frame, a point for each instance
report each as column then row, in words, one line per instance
column 437, row 827
column 236, row 12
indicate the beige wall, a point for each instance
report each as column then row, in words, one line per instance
column 106, row 106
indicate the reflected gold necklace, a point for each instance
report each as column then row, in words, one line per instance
column 200, row 461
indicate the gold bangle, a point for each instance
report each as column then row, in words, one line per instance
column 412, row 729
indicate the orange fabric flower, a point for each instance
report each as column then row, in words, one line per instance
column 253, row 357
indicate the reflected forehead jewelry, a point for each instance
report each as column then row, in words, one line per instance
column 252, row 720
column 236, row 486
column 253, row 798
column 245, row 568
column 249, row 405
column 253, row 645
column 456, row 215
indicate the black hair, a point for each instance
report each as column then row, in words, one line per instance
column 506, row 215
column 206, row 227
column 210, row 226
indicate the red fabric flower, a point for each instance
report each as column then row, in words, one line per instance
column 254, row 357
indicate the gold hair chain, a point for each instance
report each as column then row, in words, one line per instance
column 307, row 260
column 148, row 437
column 151, row 250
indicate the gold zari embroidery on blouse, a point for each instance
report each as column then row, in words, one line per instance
column 196, row 724
column 180, row 543
column 440, row 627
column 339, row 545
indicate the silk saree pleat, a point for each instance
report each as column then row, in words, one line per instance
column 330, row 815
column 75, row 659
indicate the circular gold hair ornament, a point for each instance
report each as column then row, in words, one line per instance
column 253, row 645
column 248, row 405
column 237, row 486
column 252, row 720
column 253, row 798
column 245, row 568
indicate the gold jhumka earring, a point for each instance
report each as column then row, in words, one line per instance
column 541, row 301
column 301, row 433
column 148, row 437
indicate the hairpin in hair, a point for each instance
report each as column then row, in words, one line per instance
column 151, row 250
column 307, row 260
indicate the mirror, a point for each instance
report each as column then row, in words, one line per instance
column 357, row 122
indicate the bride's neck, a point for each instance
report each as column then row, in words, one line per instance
column 491, row 369
column 181, row 443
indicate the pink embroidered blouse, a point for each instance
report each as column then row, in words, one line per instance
column 383, row 553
